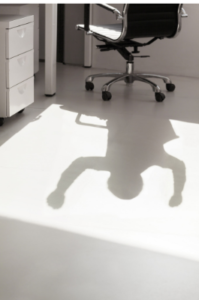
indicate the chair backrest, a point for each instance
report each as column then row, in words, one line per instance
column 151, row 20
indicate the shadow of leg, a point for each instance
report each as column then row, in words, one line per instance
column 179, row 176
column 175, row 200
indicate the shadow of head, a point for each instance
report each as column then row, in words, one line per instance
column 124, row 187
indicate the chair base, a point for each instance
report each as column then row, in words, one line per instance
column 129, row 77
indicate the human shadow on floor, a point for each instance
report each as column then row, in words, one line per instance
column 135, row 143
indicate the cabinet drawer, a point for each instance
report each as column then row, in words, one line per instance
column 19, row 40
column 20, row 96
column 19, row 68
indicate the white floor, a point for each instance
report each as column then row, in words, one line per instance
column 100, row 200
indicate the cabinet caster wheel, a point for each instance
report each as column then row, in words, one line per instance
column 159, row 97
column 106, row 96
column 89, row 86
column 170, row 87
column 1, row 121
column 19, row 112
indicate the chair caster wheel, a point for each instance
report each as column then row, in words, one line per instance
column 170, row 87
column 19, row 112
column 106, row 96
column 1, row 121
column 159, row 97
column 89, row 86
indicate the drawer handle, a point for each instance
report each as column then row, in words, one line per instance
column 21, row 32
column 22, row 88
column 22, row 61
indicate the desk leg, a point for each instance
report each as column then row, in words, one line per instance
column 50, row 49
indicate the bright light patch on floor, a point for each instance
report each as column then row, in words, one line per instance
column 111, row 180
column 92, row 121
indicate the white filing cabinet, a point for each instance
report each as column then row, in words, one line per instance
column 16, row 64
column 25, row 10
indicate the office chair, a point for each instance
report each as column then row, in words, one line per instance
column 156, row 21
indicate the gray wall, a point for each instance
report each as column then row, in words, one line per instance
column 178, row 56
column 74, row 40
column 41, row 31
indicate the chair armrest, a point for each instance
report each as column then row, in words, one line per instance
column 183, row 13
column 113, row 10
column 87, row 14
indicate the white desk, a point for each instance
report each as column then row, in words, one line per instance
column 50, row 49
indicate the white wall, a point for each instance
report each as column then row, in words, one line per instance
column 178, row 56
